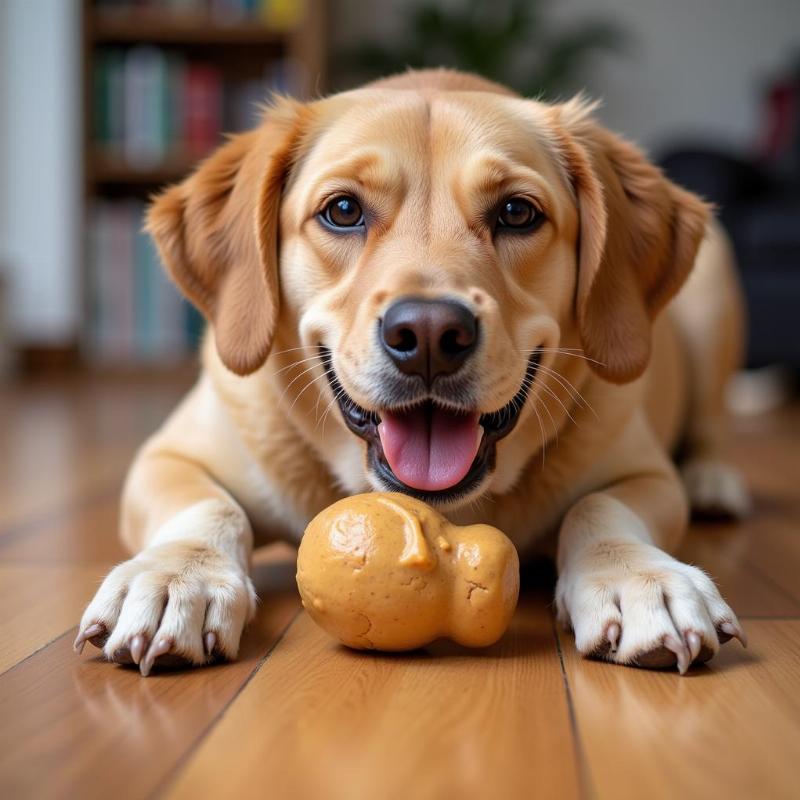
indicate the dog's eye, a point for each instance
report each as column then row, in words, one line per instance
column 516, row 213
column 343, row 212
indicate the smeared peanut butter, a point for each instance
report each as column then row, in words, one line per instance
column 387, row 572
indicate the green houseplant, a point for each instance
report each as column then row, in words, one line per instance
column 510, row 41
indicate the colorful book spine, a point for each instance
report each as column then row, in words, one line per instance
column 121, row 282
column 283, row 15
column 137, row 314
column 108, row 110
column 146, row 107
column 151, row 105
column 155, row 107
column 202, row 109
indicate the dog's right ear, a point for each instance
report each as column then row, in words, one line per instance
column 217, row 234
column 639, row 235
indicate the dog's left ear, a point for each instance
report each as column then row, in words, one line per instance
column 217, row 234
column 639, row 235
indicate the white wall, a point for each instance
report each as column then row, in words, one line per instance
column 695, row 67
column 40, row 174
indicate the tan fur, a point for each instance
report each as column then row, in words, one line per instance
column 640, row 237
column 259, row 446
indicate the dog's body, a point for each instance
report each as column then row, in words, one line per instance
column 547, row 361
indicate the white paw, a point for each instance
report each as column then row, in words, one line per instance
column 715, row 488
column 174, row 603
column 631, row 603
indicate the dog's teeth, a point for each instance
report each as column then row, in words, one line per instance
column 480, row 434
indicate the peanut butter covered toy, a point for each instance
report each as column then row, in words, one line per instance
column 387, row 572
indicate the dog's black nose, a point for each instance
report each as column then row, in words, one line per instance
column 428, row 337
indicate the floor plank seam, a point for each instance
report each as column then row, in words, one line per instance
column 584, row 775
column 37, row 650
column 169, row 779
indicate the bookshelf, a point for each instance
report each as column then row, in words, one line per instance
column 163, row 80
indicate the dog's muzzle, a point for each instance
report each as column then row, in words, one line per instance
column 426, row 449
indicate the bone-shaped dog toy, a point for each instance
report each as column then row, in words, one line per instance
column 387, row 572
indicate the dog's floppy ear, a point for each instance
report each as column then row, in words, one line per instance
column 217, row 234
column 639, row 235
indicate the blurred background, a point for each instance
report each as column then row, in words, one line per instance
column 104, row 101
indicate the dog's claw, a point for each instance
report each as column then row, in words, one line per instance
column 612, row 634
column 694, row 643
column 137, row 648
column 671, row 652
column 95, row 629
column 159, row 647
column 733, row 630
column 210, row 642
column 681, row 652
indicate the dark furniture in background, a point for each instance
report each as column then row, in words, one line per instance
column 758, row 201
column 761, row 212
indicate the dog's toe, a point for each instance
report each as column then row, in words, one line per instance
column 95, row 633
column 174, row 605
column 607, row 647
column 639, row 606
column 160, row 647
column 727, row 630
column 138, row 648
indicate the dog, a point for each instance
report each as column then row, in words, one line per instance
column 432, row 285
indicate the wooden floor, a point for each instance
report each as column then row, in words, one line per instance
column 298, row 716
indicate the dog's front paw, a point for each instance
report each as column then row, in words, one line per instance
column 715, row 489
column 179, row 603
column 631, row 603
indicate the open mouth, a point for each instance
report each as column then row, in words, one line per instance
column 431, row 452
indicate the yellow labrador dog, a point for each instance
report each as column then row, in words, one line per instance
column 431, row 285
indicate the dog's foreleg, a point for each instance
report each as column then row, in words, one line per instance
column 186, row 595
column 628, row 600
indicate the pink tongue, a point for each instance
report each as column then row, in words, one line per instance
column 429, row 448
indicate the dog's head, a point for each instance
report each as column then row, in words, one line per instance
column 421, row 251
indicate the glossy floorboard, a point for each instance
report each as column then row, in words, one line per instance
column 298, row 716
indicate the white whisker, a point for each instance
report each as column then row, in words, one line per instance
column 546, row 388
column 569, row 388
column 565, row 383
column 565, row 351
column 328, row 408
column 296, row 364
column 288, row 350
column 303, row 390
column 561, row 379
column 541, row 428
column 294, row 380
column 558, row 400
column 550, row 415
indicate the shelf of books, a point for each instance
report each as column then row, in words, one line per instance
column 164, row 80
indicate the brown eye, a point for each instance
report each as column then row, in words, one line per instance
column 343, row 212
column 518, row 214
